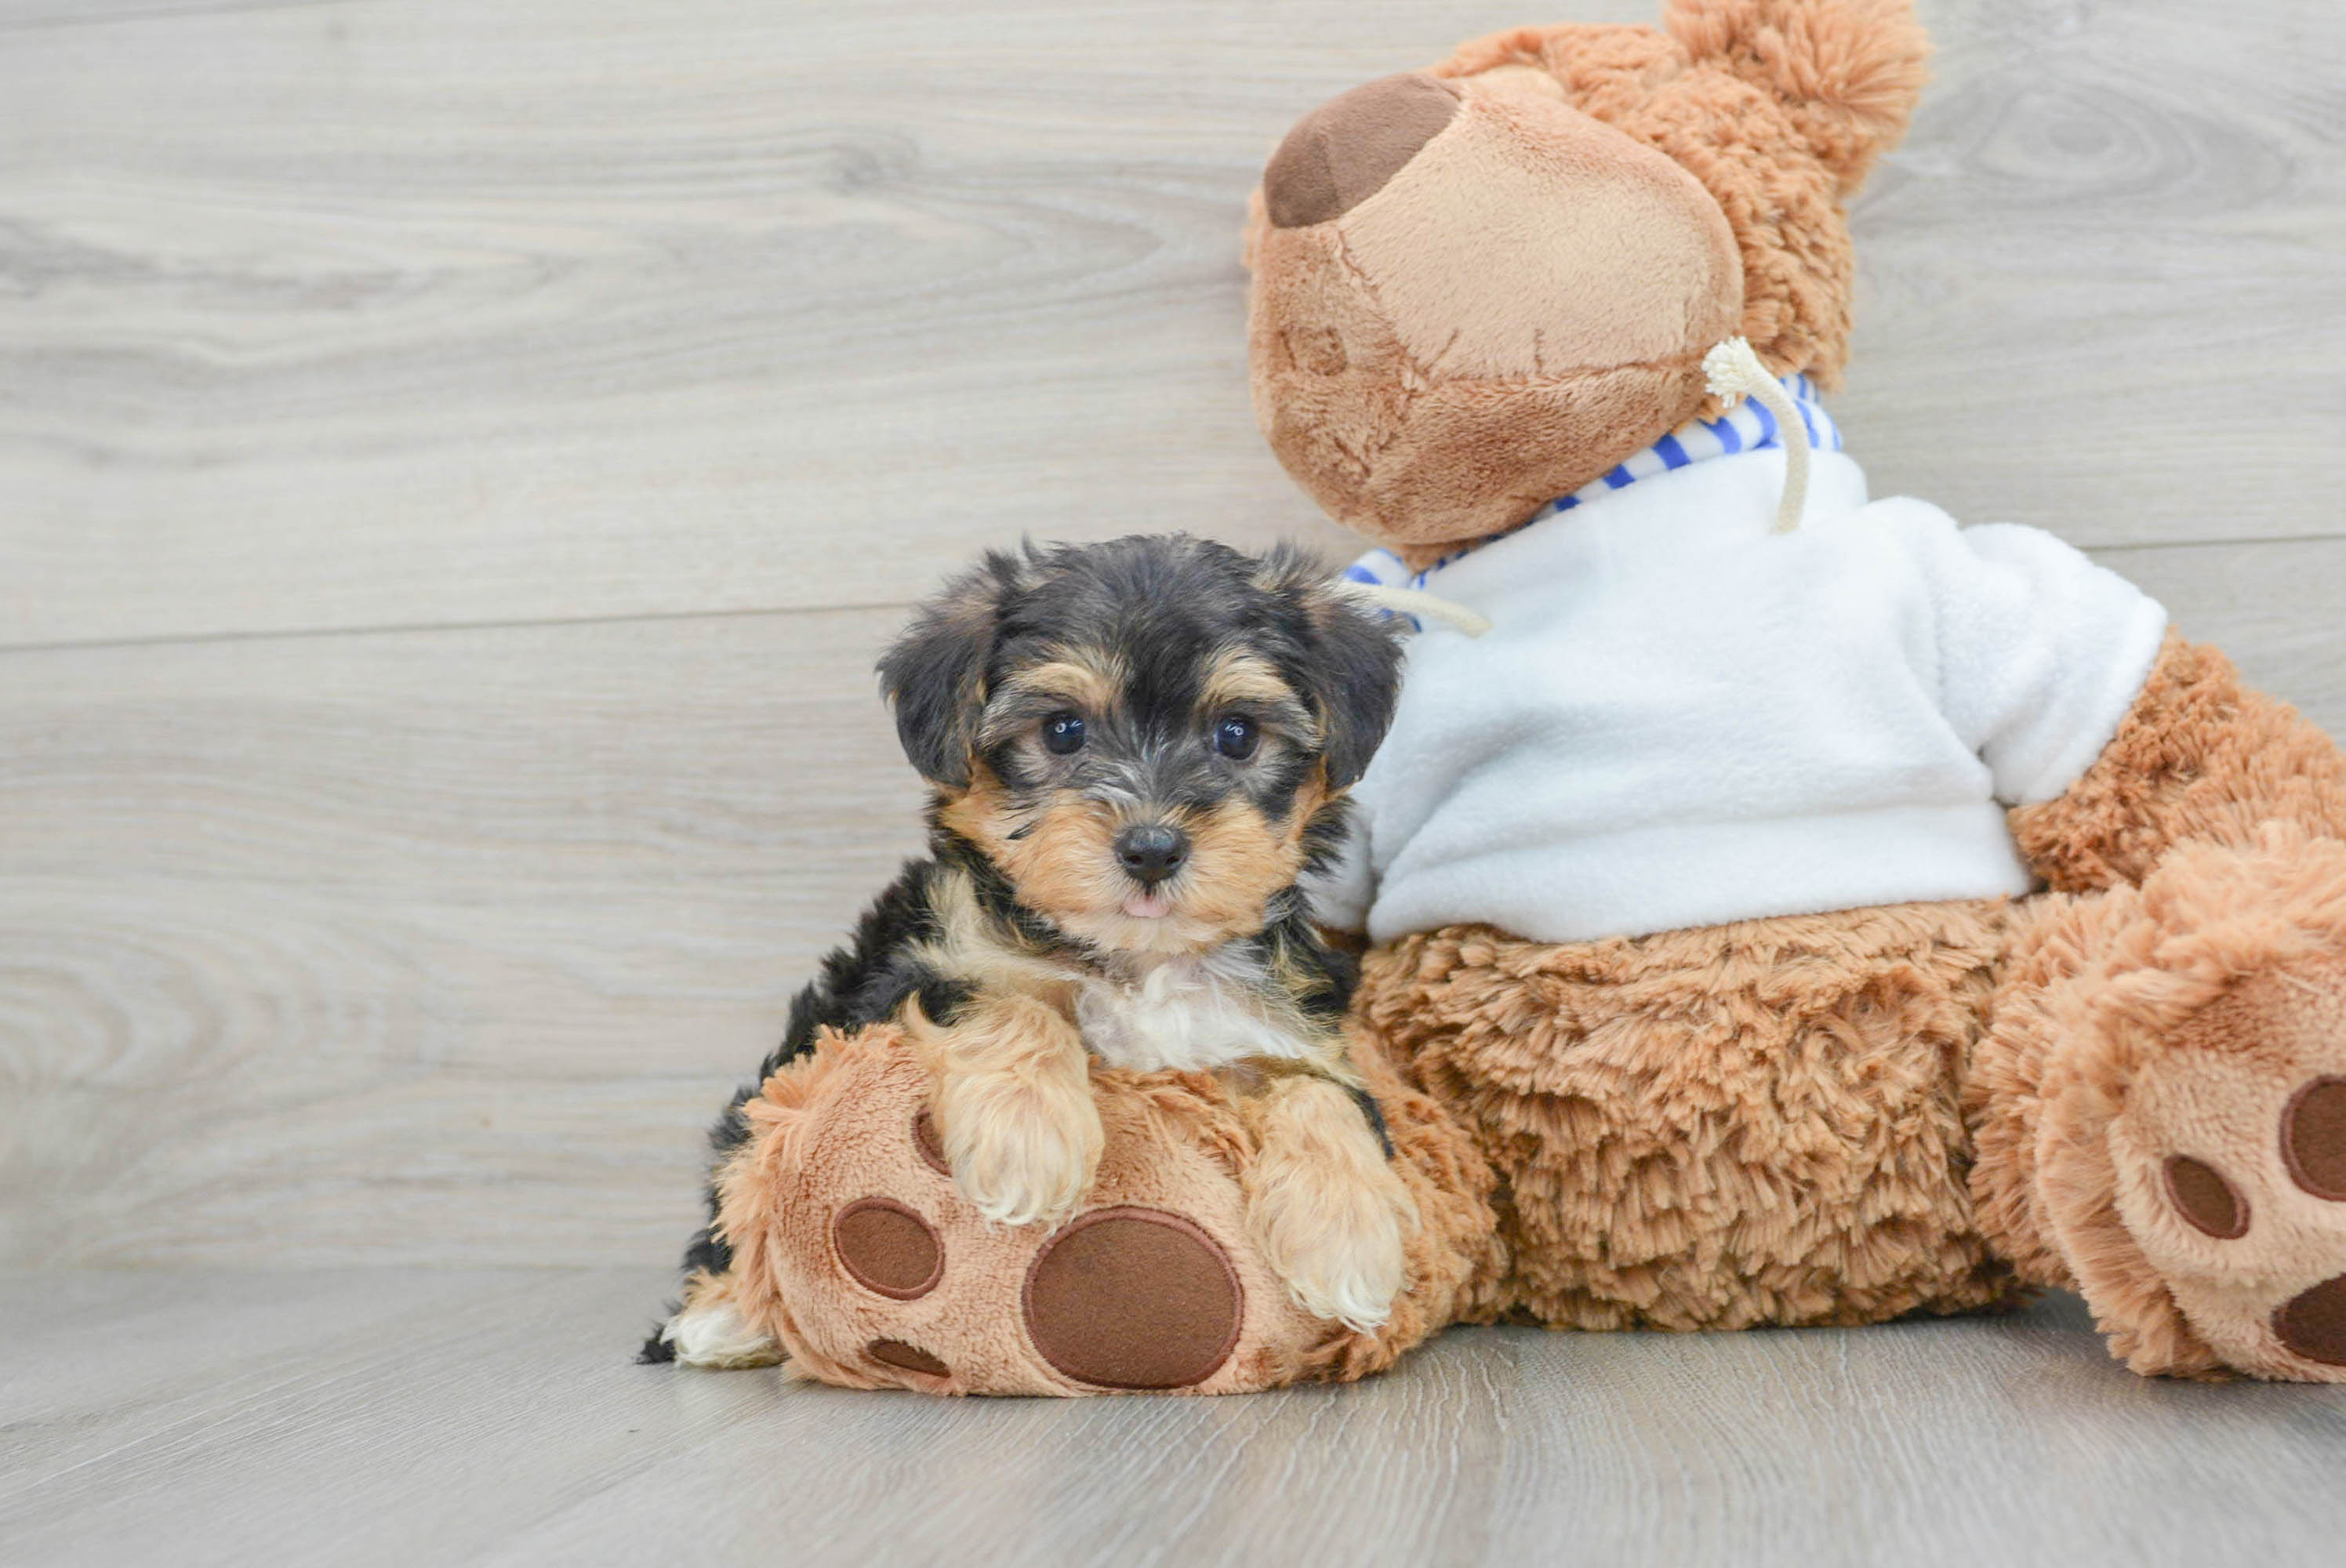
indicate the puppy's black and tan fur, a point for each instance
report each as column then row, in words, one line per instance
column 1136, row 750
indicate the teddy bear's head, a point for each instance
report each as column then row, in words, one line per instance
column 1479, row 288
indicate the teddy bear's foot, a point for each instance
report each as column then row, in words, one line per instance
column 2164, row 1120
column 857, row 1251
column 2231, row 1163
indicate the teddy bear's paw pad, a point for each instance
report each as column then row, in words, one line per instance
column 907, row 1358
column 2313, row 1323
column 2207, row 1198
column 2313, row 1146
column 931, row 1144
column 2313, row 1138
column 1132, row 1298
column 887, row 1249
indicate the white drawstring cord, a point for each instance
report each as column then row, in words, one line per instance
column 1417, row 602
column 1733, row 371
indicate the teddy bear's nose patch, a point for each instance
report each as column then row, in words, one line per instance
column 1344, row 151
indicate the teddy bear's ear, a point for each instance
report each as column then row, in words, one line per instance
column 1847, row 71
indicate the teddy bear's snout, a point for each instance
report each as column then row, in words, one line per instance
column 1344, row 151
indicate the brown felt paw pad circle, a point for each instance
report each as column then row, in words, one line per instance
column 1134, row 1299
column 931, row 1142
column 2313, row 1138
column 2313, row 1323
column 910, row 1357
column 2207, row 1198
column 887, row 1247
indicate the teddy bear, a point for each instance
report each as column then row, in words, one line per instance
column 1704, row 888
column 1793, row 908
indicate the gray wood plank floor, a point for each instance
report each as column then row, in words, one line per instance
column 369, row 1416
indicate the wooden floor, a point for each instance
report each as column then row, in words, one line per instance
column 359, row 1417
column 457, row 464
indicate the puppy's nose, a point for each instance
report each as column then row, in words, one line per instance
column 1151, row 854
column 1344, row 151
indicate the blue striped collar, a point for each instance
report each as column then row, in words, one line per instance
column 1747, row 427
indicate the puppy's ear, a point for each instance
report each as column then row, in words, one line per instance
column 934, row 674
column 1351, row 676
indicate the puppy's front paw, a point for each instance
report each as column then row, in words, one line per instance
column 1326, row 1206
column 1020, row 1158
column 1338, row 1245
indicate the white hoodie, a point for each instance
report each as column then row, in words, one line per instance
column 1680, row 717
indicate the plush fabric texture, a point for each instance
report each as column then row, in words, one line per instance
column 1681, row 717
column 855, row 1250
column 1747, row 1124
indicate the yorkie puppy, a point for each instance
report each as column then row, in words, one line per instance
column 1135, row 751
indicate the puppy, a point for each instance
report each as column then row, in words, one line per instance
column 1135, row 751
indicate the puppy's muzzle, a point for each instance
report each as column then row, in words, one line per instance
column 1151, row 852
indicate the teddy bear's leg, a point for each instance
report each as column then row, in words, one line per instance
column 2159, row 1110
column 2156, row 1113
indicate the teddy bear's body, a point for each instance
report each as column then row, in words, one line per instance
column 1709, row 985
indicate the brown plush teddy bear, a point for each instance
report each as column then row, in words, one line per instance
column 1707, row 987
column 1693, row 885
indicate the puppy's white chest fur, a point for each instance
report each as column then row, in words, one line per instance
column 1183, row 1013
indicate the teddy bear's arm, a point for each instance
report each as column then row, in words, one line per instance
column 2201, row 757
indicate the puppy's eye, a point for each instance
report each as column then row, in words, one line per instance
column 1063, row 734
column 1235, row 738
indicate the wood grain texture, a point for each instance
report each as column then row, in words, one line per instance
column 421, row 946
column 365, row 1417
column 375, row 314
